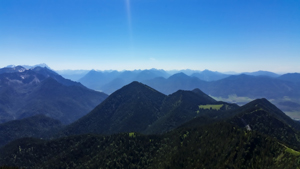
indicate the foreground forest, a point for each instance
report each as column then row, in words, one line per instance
column 218, row 145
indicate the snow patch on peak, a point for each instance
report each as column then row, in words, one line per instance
column 22, row 70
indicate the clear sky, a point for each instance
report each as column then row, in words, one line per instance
column 220, row 35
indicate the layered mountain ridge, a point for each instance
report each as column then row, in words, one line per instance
column 41, row 91
column 139, row 127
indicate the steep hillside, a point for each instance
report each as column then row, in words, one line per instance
column 49, row 73
column 139, row 108
column 131, row 108
column 35, row 126
column 31, row 92
column 262, row 116
column 182, row 106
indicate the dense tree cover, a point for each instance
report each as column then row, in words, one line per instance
column 218, row 145
column 38, row 126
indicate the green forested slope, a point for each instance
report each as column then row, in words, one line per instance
column 219, row 145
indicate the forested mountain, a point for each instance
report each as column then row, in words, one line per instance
column 183, row 106
column 262, row 116
column 41, row 91
column 228, row 145
column 138, row 108
column 38, row 126
column 187, row 129
column 131, row 108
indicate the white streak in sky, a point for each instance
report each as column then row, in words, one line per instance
column 128, row 10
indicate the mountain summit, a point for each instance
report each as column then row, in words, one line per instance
column 131, row 108
column 139, row 108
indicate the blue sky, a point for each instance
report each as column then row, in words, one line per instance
column 231, row 35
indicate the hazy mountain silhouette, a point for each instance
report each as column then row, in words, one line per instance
column 241, row 85
column 109, row 82
column 253, row 87
column 73, row 75
column 291, row 77
column 208, row 75
column 262, row 73
column 179, row 81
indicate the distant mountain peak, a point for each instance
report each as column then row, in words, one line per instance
column 43, row 65
column 135, row 86
column 180, row 74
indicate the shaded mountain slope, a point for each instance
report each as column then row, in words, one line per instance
column 131, row 108
column 66, row 103
column 49, row 73
column 183, row 106
column 265, row 105
column 203, row 95
column 138, row 108
column 27, row 93
column 262, row 116
column 229, row 146
column 35, row 126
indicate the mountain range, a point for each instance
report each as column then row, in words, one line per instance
column 138, row 108
column 252, row 85
column 139, row 127
column 27, row 92
column 151, row 119
column 238, row 88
